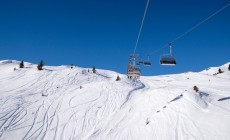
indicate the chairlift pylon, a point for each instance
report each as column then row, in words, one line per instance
column 133, row 71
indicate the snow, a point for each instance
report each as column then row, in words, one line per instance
column 77, row 104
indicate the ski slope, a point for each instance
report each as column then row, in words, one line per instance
column 60, row 103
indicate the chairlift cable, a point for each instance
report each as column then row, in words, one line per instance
column 142, row 23
column 191, row 29
column 200, row 23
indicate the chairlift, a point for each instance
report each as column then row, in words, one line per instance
column 140, row 62
column 133, row 70
column 168, row 59
column 147, row 63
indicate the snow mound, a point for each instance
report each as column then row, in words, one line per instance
column 203, row 99
column 6, row 61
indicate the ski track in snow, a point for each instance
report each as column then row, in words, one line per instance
column 62, row 103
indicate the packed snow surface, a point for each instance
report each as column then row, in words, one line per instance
column 60, row 103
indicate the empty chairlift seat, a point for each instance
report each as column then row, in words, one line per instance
column 147, row 63
column 140, row 62
column 168, row 60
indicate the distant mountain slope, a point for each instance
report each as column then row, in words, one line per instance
column 62, row 103
column 215, row 70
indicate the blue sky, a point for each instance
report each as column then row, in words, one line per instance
column 102, row 33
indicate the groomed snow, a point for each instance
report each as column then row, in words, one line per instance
column 80, row 105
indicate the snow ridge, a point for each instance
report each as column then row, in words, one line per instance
column 61, row 102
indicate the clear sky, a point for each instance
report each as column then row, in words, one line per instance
column 102, row 33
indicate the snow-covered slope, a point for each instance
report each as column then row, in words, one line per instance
column 61, row 103
column 215, row 70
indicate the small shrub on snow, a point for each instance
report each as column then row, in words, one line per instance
column 40, row 65
column 94, row 69
column 196, row 88
column 220, row 71
column 21, row 65
column 71, row 66
column 118, row 78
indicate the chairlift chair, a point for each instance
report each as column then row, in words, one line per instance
column 147, row 63
column 168, row 59
column 140, row 62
